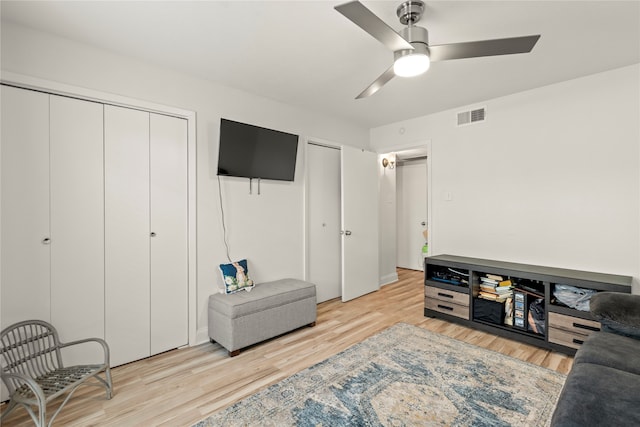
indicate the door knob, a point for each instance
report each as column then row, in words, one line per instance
column 46, row 241
column 348, row 233
column 153, row 234
column 423, row 223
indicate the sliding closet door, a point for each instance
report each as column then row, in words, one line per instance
column 25, row 206
column 126, row 233
column 169, row 278
column 77, row 224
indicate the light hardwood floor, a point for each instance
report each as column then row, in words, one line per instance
column 181, row 387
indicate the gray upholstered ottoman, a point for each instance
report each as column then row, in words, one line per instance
column 268, row 310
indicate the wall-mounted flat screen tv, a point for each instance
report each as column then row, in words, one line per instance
column 255, row 152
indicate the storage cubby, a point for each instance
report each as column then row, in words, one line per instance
column 570, row 298
column 448, row 275
column 472, row 291
column 488, row 311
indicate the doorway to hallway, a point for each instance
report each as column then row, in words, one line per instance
column 411, row 210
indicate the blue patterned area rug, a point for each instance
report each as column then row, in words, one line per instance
column 405, row 376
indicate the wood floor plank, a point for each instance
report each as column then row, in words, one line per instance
column 181, row 387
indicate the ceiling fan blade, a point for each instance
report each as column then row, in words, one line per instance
column 475, row 49
column 368, row 21
column 378, row 83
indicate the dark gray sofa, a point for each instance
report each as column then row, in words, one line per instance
column 603, row 387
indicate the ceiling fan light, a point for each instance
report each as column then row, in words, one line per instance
column 411, row 65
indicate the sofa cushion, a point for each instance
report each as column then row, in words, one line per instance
column 263, row 297
column 617, row 312
column 614, row 351
column 596, row 395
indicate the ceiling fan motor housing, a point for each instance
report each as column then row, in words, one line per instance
column 414, row 34
column 419, row 39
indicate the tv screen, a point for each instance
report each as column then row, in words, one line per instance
column 255, row 152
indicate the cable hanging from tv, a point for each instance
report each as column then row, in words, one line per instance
column 224, row 226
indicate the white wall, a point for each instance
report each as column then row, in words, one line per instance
column 266, row 229
column 551, row 178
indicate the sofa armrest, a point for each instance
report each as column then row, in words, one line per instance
column 617, row 312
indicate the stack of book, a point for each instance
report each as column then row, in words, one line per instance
column 495, row 288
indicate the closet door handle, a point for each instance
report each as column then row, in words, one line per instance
column 46, row 241
column 153, row 234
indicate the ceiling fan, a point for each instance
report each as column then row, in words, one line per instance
column 411, row 50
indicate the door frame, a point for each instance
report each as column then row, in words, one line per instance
column 426, row 143
column 56, row 88
column 401, row 234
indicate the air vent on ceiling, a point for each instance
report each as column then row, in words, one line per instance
column 471, row 116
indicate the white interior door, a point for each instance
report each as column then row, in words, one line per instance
column 77, row 225
column 169, row 277
column 127, row 275
column 324, row 259
column 411, row 217
column 359, row 222
column 25, row 285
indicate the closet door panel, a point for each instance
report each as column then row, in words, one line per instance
column 323, row 244
column 25, row 263
column 77, row 224
column 169, row 276
column 127, row 234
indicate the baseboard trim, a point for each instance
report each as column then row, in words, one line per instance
column 388, row 279
column 202, row 336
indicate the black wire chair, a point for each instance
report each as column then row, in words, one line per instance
column 34, row 373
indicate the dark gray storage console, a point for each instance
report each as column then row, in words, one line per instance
column 452, row 286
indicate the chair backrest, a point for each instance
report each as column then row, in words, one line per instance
column 31, row 348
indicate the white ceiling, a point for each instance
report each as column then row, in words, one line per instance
column 306, row 54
